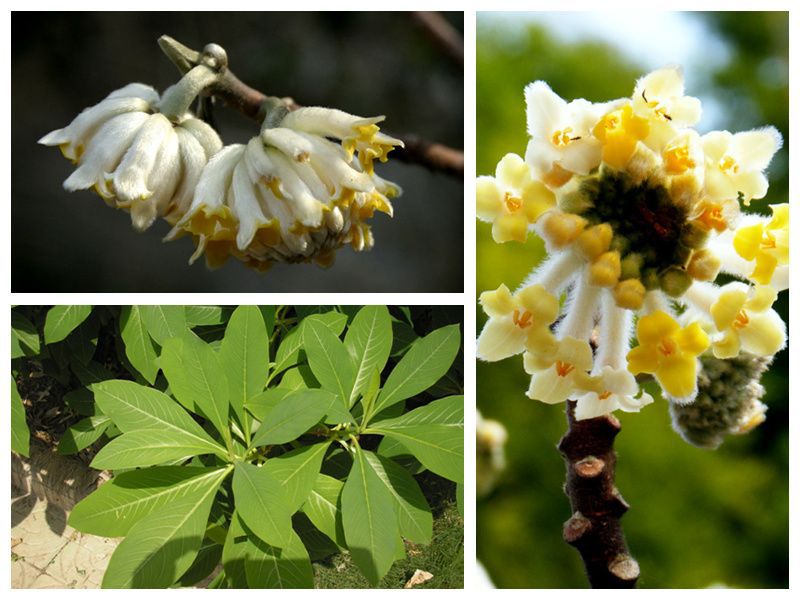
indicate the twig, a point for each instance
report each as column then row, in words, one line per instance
column 442, row 33
column 249, row 101
column 594, row 528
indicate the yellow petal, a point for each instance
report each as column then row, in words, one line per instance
column 500, row 339
column 542, row 343
column 780, row 216
column 678, row 375
column 727, row 308
column 728, row 345
column 542, row 304
column 576, row 352
column 652, row 328
column 692, row 339
column 489, row 198
column 510, row 227
column 498, row 303
column 762, row 298
column 643, row 359
column 747, row 241
column 513, row 172
column 765, row 267
column 537, row 200
column 764, row 334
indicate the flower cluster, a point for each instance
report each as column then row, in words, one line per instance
column 639, row 214
column 297, row 192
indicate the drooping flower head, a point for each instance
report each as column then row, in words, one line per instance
column 291, row 194
column 645, row 214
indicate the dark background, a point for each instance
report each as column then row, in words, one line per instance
column 364, row 63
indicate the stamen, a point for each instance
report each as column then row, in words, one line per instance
column 677, row 159
column 564, row 368
column 562, row 138
column 522, row 320
column 667, row 347
column 768, row 241
column 604, row 396
column 741, row 320
column 727, row 163
column 513, row 204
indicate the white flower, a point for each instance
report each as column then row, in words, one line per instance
column 134, row 157
column 658, row 96
column 560, row 374
column 561, row 134
column 735, row 163
column 616, row 389
column 291, row 194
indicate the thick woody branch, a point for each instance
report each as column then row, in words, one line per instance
column 442, row 33
column 597, row 506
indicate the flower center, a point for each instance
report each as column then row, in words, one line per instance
column 564, row 368
column 677, row 160
column 667, row 347
column 522, row 320
column 604, row 396
column 768, row 241
column 513, row 204
column 727, row 165
column 659, row 110
column 741, row 320
column 562, row 137
column 712, row 218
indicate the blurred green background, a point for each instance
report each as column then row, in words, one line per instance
column 698, row 518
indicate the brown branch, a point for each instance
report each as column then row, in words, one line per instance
column 442, row 33
column 597, row 506
column 248, row 101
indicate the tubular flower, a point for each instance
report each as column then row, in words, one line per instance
column 512, row 200
column 647, row 214
column 669, row 352
column 746, row 321
column 517, row 322
column 613, row 389
column 291, row 194
column 134, row 157
column 766, row 243
column 565, row 373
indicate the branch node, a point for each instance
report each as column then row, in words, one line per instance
column 576, row 527
column 624, row 567
column 589, row 467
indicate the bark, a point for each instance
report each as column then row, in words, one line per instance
column 594, row 528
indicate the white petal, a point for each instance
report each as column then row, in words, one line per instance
column 715, row 144
column 166, row 173
column 590, row 406
column 540, row 155
column 105, row 151
column 215, row 180
column 549, row 387
column 329, row 162
column 193, row 159
column 753, row 150
column 245, row 206
column 581, row 156
column 131, row 177
column 136, row 90
column 546, row 110
column 304, row 206
column 292, row 144
column 500, row 339
column 204, row 134
column 327, row 122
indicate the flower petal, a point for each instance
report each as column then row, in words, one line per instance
column 500, row 339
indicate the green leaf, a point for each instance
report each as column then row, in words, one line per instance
column 204, row 315
column 261, row 404
column 20, row 434
column 197, row 379
column 24, row 337
column 148, row 447
column 244, row 355
column 268, row 314
column 163, row 321
column 118, row 505
column 138, row 345
column 414, row 518
column 81, row 344
column 162, row 546
column 368, row 518
column 61, row 320
column 132, row 406
column 434, row 434
column 81, row 401
column 289, row 351
column 322, row 507
column 299, row 377
column 460, row 498
column 329, row 360
column 90, row 372
column 369, row 341
column 293, row 416
column 207, row 559
column 262, row 504
column 297, row 471
column 421, row 367
column 252, row 563
column 82, row 434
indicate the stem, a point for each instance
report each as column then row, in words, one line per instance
column 594, row 528
column 178, row 98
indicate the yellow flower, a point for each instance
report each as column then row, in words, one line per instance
column 669, row 352
column 560, row 374
column 512, row 200
column 620, row 131
column 517, row 322
column 765, row 243
column 745, row 318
